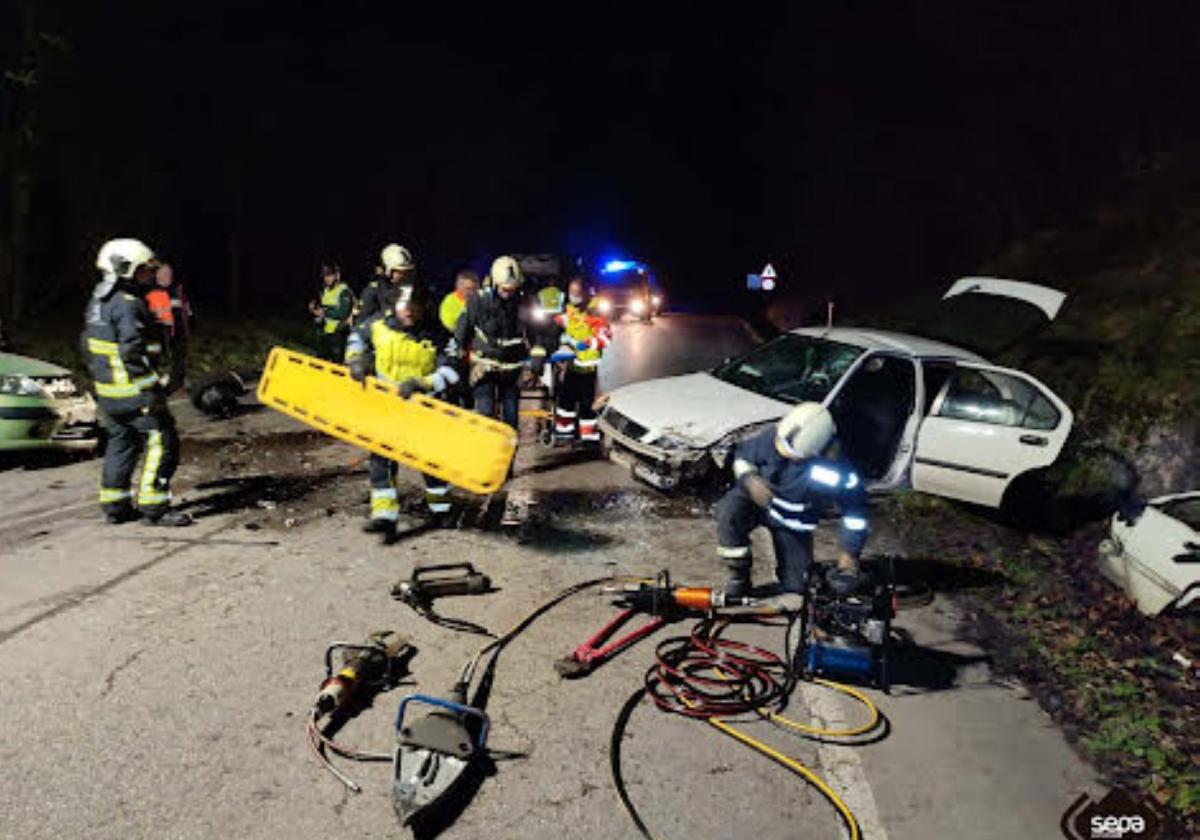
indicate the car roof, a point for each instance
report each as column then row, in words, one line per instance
column 913, row 345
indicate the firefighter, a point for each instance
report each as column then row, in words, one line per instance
column 494, row 329
column 401, row 348
column 122, row 344
column 585, row 334
column 379, row 297
column 332, row 314
column 785, row 477
column 179, row 321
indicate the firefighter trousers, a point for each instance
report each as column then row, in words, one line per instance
column 385, row 500
column 574, row 407
column 737, row 517
column 130, row 433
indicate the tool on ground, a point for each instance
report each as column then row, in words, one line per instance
column 362, row 667
column 664, row 601
column 444, row 580
column 458, row 446
column 434, row 753
column 849, row 636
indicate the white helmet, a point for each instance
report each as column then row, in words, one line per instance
column 122, row 257
column 805, row 431
column 506, row 272
column 396, row 258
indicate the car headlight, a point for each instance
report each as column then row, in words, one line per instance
column 604, row 305
column 21, row 386
column 537, row 313
column 671, row 443
column 637, row 306
column 656, row 300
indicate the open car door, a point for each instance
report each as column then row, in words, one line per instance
column 987, row 426
column 988, row 315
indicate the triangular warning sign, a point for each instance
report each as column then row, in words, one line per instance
column 768, row 273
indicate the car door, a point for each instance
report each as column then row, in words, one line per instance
column 986, row 427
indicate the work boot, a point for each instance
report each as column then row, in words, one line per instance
column 378, row 526
column 738, row 585
column 170, row 519
column 121, row 516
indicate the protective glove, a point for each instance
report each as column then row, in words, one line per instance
column 410, row 386
column 759, row 490
column 358, row 369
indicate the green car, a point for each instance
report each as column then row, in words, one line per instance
column 41, row 408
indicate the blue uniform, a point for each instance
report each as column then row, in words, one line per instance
column 801, row 490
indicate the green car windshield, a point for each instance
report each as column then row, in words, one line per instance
column 791, row 368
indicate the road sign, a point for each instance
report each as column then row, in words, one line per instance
column 754, row 282
column 768, row 283
column 768, row 273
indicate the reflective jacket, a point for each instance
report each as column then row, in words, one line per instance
column 551, row 299
column 586, row 335
column 337, row 301
column 378, row 298
column 122, row 345
column 399, row 352
column 453, row 306
column 803, row 489
column 495, row 330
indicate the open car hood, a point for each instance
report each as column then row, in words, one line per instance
column 697, row 409
column 988, row 315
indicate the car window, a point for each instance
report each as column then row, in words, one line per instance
column 989, row 396
column 1186, row 511
column 791, row 368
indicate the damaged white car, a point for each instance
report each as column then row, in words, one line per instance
column 1154, row 553
column 911, row 410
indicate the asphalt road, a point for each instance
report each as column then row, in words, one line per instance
column 671, row 345
column 155, row 684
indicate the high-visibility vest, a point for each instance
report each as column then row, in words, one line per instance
column 159, row 301
column 451, row 310
column 331, row 302
column 551, row 299
column 400, row 356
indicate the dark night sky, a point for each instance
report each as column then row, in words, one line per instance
column 848, row 141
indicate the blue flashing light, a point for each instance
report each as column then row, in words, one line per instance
column 613, row 266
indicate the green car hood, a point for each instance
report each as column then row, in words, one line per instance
column 12, row 364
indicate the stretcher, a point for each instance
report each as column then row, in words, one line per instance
column 426, row 434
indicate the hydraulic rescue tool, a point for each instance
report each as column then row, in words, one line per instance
column 363, row 667
column 664, row 602
column 444, row 580
column 849, row 635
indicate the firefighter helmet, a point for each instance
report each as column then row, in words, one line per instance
column 122, row 257
column 396, row 258
column 805, row 431
column 506, row 273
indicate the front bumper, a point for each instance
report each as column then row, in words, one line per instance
column 660, row 468
column 56, row 425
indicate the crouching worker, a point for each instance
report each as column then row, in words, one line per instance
column 785, row 477
column 401, row 348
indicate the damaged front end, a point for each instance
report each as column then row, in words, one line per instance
column 1154, row 553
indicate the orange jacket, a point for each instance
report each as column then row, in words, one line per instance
column 159, row 301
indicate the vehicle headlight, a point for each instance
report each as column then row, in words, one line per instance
column 637, row 306
column 671, row 443
column 604, row 305
column 656, row 300
column 537, row 313
column 21, row 386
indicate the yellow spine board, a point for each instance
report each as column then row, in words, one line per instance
column 445, row 441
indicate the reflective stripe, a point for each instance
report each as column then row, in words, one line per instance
column 108, row 496
column 154, row 454
column 153, row 348
column 826, row 476
column 438, row 491
column 852, row 481
column 562, row 412
column 154, row 499
column 854, row 523
column 439, row 507
column 794, row 507
column 792, row 524
column 734, row 552
column 589, row 436
column 127, row 389
column 111, row 351
column 389, row 493
column 586, row 363
column 385, row 507
column 743, row 467
column 564, row 428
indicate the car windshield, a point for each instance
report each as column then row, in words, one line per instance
column 791, row 368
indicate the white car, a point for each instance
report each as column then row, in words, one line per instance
column 911, row 411
column 1154, row 554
